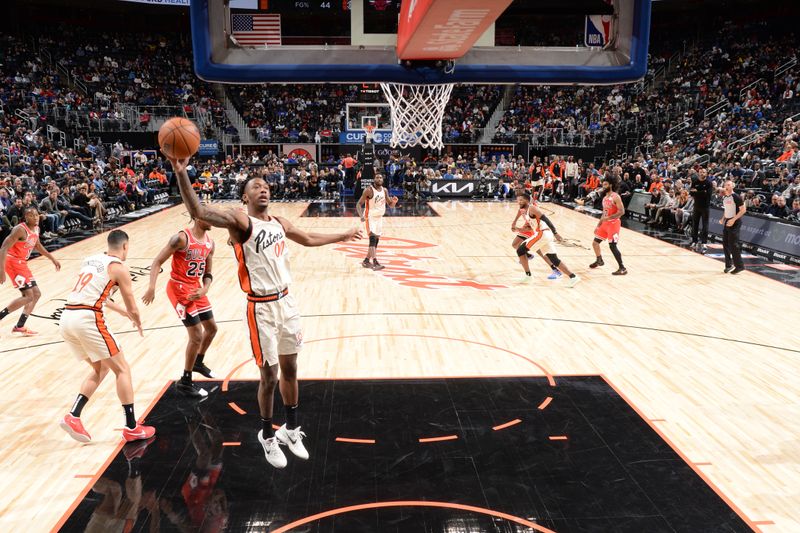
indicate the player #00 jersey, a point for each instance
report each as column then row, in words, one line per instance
column 264, row 258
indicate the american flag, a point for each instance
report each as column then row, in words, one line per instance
column 256, row 30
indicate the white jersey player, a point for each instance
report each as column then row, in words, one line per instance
column 84, row 330
column 273, row 321
column 371, row 207
column 543, row 235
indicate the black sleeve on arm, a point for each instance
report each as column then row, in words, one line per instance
column 550, row 224
column 737, row 199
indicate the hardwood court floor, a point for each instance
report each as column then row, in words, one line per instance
column 711, row 360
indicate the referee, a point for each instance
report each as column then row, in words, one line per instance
column 701, row 190
column 733, row 211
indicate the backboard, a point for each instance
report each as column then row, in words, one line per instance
column 343, row 41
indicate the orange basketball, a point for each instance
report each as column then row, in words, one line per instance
column 178, row 138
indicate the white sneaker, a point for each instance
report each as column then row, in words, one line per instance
column 571, row 282
column 272, row 451
column 293, row 438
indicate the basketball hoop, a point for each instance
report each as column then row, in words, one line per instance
column 417, row 112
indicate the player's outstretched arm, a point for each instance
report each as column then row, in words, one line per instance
column 230, row 219
column 317, row 239
column 122, row 276
column 176, row 242
column 16, row 235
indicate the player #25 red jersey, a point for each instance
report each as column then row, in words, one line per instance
column 189, row 264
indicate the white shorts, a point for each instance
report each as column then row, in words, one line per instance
column 375, row 225
column 541, row 241
column 86, row 334
column 273, row 329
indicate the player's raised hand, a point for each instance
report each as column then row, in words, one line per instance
column 179, row 165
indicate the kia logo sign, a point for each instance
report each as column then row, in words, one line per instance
column 453, row 188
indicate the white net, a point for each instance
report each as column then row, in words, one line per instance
column 417, row 113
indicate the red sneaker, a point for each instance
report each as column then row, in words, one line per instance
column 74, row 427
column 25, row 332
column 140, row 432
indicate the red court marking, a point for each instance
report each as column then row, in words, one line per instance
column 237, row 408
column 557, row 437
column 105, row 465
column 445, row 505
column 545, row 403
column 658, row 420
column 764, row 522
column 437, row 439
column 694, row 467
column 702, row 464
column 231, row 443
column 355, row 441
column 86, row 476
column 507, row 424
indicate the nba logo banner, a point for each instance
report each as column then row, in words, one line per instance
column 599, row 31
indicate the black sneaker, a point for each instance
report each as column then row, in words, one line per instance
column 737, row 270
column 597, row 263
column 727, row 269
column 202, row 369
column 376, row 265
column 621, row 272
column 190, row 390
column 366, row 264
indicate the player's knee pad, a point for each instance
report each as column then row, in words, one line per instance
column 598, row 241
column 522, row 250
column 373, row 240
column 554, row 259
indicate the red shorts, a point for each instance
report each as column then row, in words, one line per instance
column 524, row 234
column 18, row 272
column 609, row 230
column 189, row 311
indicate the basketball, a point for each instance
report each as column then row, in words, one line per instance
column 178, row 138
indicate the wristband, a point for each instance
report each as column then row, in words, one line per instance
column 208, row 275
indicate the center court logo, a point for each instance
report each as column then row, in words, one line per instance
column 399, row 263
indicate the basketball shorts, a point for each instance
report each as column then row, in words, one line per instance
column 608, row 230
column 375, row 225
column 20, row 275
column 86, row 334
column 541, row 242
column 191, row 312
column 273, row 329
column 525, row 234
